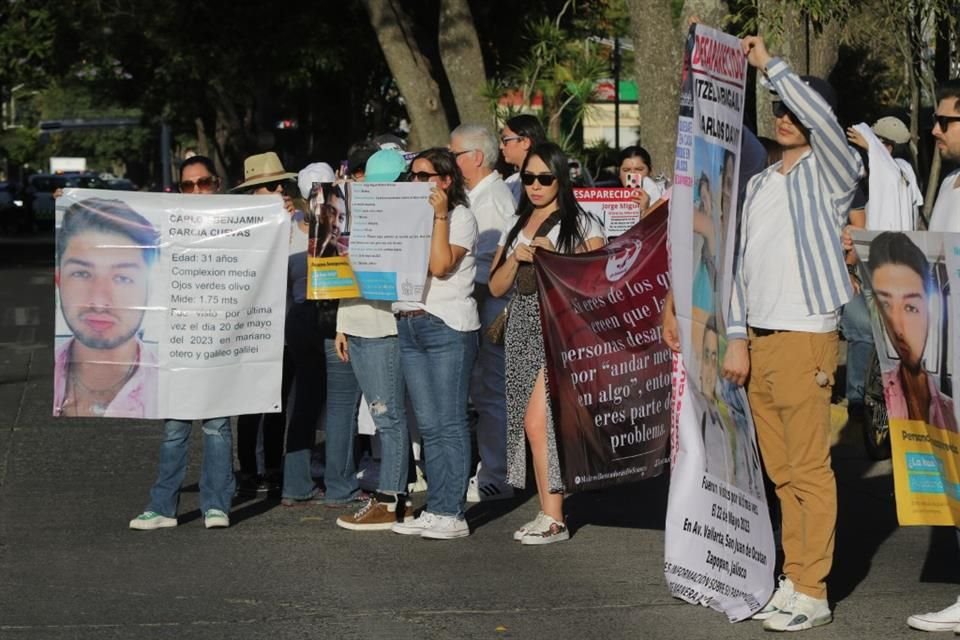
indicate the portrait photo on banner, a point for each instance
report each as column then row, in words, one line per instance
column 107, row 320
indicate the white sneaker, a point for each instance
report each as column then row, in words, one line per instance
column 216, row 519
column 487, row 492
column 446, row 528
column 536, row 523
column 944, row 620
column 779, row 600
column 549, row 532
column 800, row 613
column 150, row 520
column 416, row 526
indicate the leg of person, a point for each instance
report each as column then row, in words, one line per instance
column 772, row 443
column 376, row 363
column 274, row 427
column 855, row 322
column 552, row 527
column 247, row 428
column 488, row 392
column 802, row 398
column 306, row 347
column 216, row 472
column 165, row 492
column 944, row 620
column 343, row 397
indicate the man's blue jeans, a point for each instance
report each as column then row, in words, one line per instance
column 376, row 363
column 216, row 471
column 343, row 398
column 858, row 332
column 437, row 362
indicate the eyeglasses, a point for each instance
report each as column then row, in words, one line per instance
column 506, row 139
column 944, row 121
column 422, row 176
column 780, row 110
column 546, row 179
column 457, row 154
column 206, row 184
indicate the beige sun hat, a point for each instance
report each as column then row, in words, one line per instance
column 262, row 168
column 892, row 129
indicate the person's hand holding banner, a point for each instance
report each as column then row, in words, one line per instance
column 736, row 363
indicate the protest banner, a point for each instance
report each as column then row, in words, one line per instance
column 719, row 547
column 392, row 225
column 907, row 279
column 607, row 367
column 169, row 306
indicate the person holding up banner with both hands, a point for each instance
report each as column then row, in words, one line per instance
column 549, row 219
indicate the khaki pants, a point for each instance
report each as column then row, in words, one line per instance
column 792, row 416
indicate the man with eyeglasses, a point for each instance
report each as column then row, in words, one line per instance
column 946, row 132
column 946, row 217
column 197, row 175
column 491, row 201
column 790, row 279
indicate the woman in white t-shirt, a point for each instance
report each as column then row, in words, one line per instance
column 438, row 345
column 548, row 219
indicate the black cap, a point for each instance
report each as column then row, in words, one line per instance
column 358, row 155
column 822, row 87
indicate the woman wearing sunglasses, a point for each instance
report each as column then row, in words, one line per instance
column 548, row 219
column 520, row 134
column 438, row 344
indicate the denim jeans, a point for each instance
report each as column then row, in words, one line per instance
column 437, row 362
column 489, row 394
column 274, row 425
column 376, row 363
column 216, row 471
column 343, row 398
column 858, row 332
column 306, row 347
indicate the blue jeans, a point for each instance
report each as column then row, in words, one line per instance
column 306, row 347
column 858, row 332
column 376, row 363
column 437, row 362
column 343, row 398
column 216, row 471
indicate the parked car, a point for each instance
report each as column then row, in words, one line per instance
column 121, row 184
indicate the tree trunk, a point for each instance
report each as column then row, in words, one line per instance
column 659, row 42
column 203, row 145
column 412, row 71
column 463, row 62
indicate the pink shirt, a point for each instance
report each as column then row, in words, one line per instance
column 136, row 399
column 941, row 406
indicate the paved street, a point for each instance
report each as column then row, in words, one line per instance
column 70, row 568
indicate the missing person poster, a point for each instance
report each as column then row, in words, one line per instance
column 169, row 305
column 907, row 280
column 719, row 548
column 607, row 366
column 390, row 238
column 612, row 206
column 329, row 275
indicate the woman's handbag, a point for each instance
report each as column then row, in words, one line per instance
column 497, row 330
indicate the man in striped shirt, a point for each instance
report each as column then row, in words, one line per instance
column 790, row 280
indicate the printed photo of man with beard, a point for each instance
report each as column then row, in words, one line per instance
column 104, row 256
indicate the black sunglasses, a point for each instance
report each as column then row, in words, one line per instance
column 944, row 121
column 780, row 110
column 545, row 179
column 422, row 176
column 204, row 184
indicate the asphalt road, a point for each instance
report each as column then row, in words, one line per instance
column 70, row 568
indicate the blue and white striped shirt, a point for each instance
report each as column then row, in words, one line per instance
column 820, row 188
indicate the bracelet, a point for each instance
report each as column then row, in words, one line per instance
column 441, row 218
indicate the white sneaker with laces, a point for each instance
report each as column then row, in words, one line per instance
column 535, row 524
column 446, row 528
column 416, row 526
column 800, row 613
column 150, row 520
column 779, row 600
column 487, row 492
column 216, row 519
column 944, row 620
column 549, row 532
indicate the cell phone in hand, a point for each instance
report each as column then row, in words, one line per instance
column 633, row 180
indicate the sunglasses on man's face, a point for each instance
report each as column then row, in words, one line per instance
column 944, row 121
column 780, row 110
column 545, row 179
column 206, row 184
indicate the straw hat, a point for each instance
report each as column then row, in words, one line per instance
column 262, row 168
